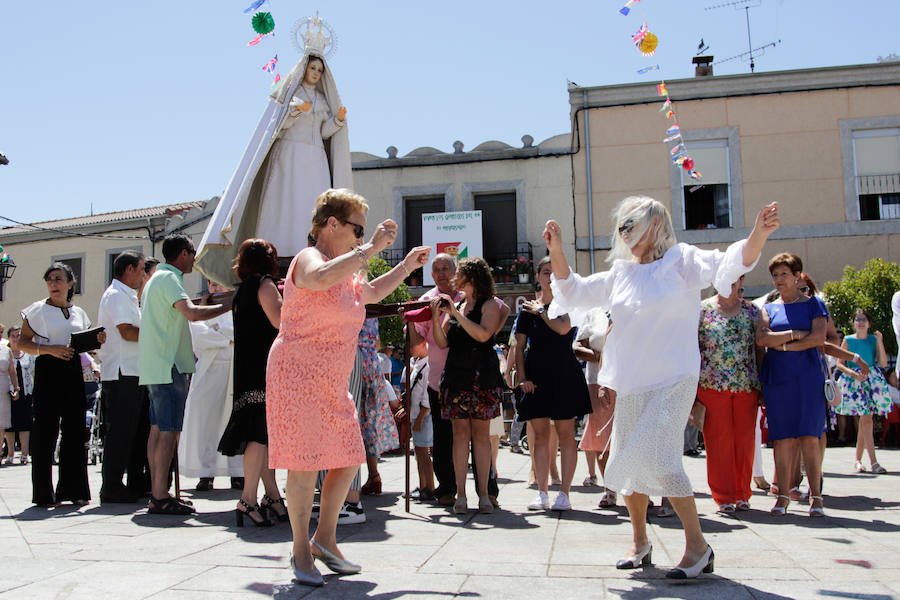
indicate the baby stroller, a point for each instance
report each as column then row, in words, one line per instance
column 94, row 425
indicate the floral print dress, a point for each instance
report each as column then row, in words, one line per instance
column 379, row 431
column 728, row 349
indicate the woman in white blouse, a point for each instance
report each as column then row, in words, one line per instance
column 58, row 397
column 652, row 292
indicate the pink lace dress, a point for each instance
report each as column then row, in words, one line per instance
column 310, row 414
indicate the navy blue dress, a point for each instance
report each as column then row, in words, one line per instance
column 793, row 382
column 560, row 388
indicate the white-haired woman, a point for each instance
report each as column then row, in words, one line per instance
column 652, row 292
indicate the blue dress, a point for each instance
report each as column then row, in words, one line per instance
column 792, row 382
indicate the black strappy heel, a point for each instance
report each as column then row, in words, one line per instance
column 249, row 510
column 269, row 505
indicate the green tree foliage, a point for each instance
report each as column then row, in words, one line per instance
column 870, row 289
column 390, row 329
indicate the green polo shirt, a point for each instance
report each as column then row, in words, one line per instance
column 165, row 338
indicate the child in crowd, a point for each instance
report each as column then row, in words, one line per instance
column 420, row 417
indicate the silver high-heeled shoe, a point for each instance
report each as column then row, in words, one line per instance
column 704, row 565
column 338, row 565
column 313, row 579
column 644, row 557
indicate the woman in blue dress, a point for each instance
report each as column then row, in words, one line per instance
column 791, row 329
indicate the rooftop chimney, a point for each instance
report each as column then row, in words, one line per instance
column 704, row 66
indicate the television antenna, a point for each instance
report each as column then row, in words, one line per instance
column 745, row 5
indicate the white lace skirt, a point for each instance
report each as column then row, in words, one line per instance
column 648, row 441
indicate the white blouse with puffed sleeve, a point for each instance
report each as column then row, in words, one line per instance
column 654, row 309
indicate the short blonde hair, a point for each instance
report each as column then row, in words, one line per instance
column 338, row 203
column 642, row 214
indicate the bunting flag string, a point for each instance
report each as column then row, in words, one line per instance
column 263, row 25
column 647, row 43
column 627, row 8
column 254, row 7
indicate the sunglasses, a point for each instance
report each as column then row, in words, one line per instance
column 626, row 227
column 860, row 320
column 804, row 289
column 358, row 230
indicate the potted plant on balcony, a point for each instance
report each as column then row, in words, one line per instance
column 523, row 266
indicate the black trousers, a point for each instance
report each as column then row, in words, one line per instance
column 442, row 452
column 138, row 466
column 122, row 406
column 59, row 406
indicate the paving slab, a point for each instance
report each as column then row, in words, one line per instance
column 120, row 551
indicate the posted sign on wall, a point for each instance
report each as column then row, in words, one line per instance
column 454, row 233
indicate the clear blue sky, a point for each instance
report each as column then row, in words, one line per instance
column 132, row 104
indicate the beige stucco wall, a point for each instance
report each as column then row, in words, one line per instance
column 790, row 151
column 547, row 190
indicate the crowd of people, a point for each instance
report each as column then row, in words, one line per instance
column 288, row 375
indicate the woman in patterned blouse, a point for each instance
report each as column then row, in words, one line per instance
column 729, row 389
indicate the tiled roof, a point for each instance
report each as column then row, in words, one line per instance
column 109, row 217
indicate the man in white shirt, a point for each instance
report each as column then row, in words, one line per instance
column 121, row 400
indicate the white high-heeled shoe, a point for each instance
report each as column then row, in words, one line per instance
column 335, row 563
column 644, row 557
column 704, row 565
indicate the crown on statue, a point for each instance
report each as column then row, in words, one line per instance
column 314, row 35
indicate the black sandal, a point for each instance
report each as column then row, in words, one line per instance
column 249, row 511
column 269, row 504
column 168, row 506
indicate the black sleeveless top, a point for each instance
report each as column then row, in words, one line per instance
column 468, row 358
column 253, row 336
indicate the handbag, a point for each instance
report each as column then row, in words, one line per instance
column 832, row 391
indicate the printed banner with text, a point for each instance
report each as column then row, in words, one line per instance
column 455, row 233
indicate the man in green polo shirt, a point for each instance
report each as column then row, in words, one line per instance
column 166, row 357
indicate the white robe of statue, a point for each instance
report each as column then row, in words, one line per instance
column 290, row 159
column 297, row 173
column 209, row 402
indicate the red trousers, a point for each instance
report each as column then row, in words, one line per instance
column 729, row 434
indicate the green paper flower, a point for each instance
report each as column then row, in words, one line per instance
column 263, row 23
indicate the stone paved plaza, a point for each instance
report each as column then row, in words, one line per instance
column 111, row 551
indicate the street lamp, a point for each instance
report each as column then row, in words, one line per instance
column 7, row 268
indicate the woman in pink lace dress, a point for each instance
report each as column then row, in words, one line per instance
column 311, row 416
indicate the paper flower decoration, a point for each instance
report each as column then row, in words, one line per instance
column 648, row 45
column 263, row 23
column 688, row 164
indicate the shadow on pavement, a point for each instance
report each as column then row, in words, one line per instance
column 705, row 586
column 345, row 589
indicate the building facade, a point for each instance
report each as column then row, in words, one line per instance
column 90, row 245
column 824, row 143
